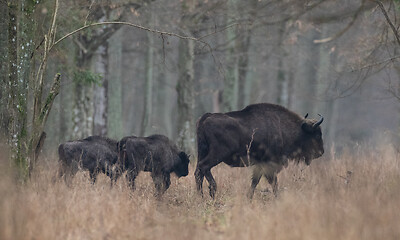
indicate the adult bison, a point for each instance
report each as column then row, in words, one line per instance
column 156, row 154
column 264, row 135
column 95, row 154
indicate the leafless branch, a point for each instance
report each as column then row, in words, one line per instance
column 131, row 25
column 395, row 32
column 340, row 33
column 376, row 63
column 220, row 30
column 162, row 33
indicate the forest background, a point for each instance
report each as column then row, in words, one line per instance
column 138, row 67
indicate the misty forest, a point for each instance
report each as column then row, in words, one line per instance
column 71, row 69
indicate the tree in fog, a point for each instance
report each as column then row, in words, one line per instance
column 185, row 84
column 91, row 86
column 27, row 103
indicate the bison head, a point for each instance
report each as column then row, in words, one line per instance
column 182, row 168
column 312, row 144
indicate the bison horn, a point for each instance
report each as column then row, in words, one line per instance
column 315, row 125
column 306, row 116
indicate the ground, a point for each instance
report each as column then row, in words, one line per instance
column 351, row 196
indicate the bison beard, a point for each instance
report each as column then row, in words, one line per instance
column 155, row 154
column 264, row 135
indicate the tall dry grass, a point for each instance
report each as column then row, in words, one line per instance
column 316, row 202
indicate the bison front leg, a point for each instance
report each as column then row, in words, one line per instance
column 115, row 174
column 161, row 183
column 93, row 176
column 131, row 176
column 273, row 180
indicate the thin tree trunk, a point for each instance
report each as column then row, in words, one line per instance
column 282, row 78
column 307, row 71
column 231, row 81
column 83, row 111
column 185, row 92
column 148, row 91
column 185, row 84
column 3, row 68
column 16, row 104
column 100, row 97
column 115, row 129
column 66, row 99
column 82, row 107
column 12, row 85
column 243, row 46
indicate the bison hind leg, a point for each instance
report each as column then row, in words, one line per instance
column 212, row 184
column 199, row 177
column 255, row 179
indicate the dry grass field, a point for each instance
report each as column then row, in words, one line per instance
column 314, row 202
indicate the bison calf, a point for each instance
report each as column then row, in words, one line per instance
column 95, row 154
column 155, row 154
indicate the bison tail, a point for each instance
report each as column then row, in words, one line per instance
column 202, row 146
column 61, row 153
column 122, row 152
column 202, row 143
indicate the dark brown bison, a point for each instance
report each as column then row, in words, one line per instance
column 264, row 135
column 156, row 154
column 95, row 154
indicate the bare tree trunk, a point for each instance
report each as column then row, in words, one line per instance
column 282, row 78
column 83, row 111
column 243, row 65
column 185, row 84
column 115, row 129
column 12, row 85
column 3, row 68
column 26, row 142
column 307, row 71
column 82, row 107
column 231, row 81
column 83, row 93
column 239, row 40
column 16, row 116
column 66, row 98
column 100, row 97
column 185, row 92
column 329, row 108
column 148, row 91
column 243, row 46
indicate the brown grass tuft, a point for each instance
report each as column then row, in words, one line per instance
column 323, row 201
